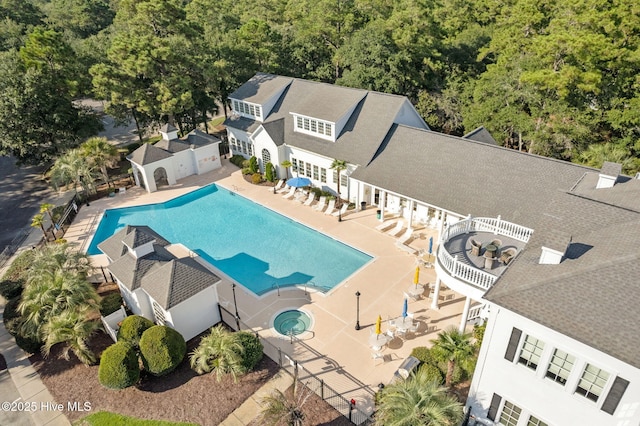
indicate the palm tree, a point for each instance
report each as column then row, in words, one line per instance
column 418, row 401
column 286, row 164
column 455, row 348
column 38, row 222
column 339, row 166
column 72, row 327
column 220, row 351
column 73, row 168
column 46, row 208
column 100, row 154
column 279, row 407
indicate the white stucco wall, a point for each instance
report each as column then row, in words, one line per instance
column 537, row 395
column 262, row 140
column 183, row 164
column 239, row 135
column 144, row 303
column 130, row 299
column 206, row 158
column 196, row 314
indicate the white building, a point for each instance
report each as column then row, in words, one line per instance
column 556, row 267
column 171, row 158
column 156, row 284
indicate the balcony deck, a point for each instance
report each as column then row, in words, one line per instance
column 460, row 246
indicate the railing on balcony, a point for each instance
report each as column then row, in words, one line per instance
column 465, row 272
column 488, row 224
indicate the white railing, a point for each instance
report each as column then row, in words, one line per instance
column 110, row 322
column 464, row 272
column 496, row 226
column 475, row 312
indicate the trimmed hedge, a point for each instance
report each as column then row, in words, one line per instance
column 119, row 366
column 269, row 172
column 253, row 349
column 14, row 279
column 424, row 355
column 256, row 178
column 253, row 164
column 162, row 349
column 433, row 372
column 132, row 328
column 237, row 160
column 110, row 303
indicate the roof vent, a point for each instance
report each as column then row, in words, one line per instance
column 555, row 248
column 609, row 175
column 168, row 132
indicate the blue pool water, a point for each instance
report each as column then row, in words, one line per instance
column 292, row 322
column 255, row 246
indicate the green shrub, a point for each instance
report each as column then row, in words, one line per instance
column 253, row 349
column 246, row 171
column 433, row 372
column 269, row 172
column 119, row 367
column 16, row 275
column 162, row 349
column 424, row 355
column 237, row 160
column 13, row 323
column 110, row 303
column 256, row 178
column 253, row 164
column 132, row 328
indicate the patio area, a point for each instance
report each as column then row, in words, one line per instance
column 333, row 349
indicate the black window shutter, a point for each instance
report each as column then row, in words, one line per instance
column 615, row 395
column 493, row 408
column 513, row 344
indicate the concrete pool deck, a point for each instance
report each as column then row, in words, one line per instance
column 333, row 350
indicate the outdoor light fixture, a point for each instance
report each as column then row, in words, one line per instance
column 357, row 310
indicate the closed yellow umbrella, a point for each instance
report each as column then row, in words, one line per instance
column 379, row 325
column 416, row 277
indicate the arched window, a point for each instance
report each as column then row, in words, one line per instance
column 266, row 157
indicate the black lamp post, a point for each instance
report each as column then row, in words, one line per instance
column 357, row 310
column 235, row 305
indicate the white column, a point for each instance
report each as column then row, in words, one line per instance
column 436, row 294
column 465, row 314
column 381, row 203
column 411, row 202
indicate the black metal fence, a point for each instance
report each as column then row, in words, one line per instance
column 306, row 377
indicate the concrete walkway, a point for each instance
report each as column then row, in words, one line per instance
column 251, row 408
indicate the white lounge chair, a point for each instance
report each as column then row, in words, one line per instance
column 406, row 236
column 285, row 188
column 330, row 207
column 312, row 196
column 342, row 211
column 278, row 186
column 386, row 224
column 322, row 202
column 396, row 230
column 289, row 194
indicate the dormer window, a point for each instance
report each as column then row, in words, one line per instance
column 313, row 126
column 247, row 109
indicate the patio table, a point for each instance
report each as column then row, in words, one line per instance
column 415, row 291
column 377, row 341
column 491, row 249
column 404, row 323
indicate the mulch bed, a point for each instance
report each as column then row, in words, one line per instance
column 180, row 396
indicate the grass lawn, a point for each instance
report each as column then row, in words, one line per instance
column 216, row 121
column 105, row 418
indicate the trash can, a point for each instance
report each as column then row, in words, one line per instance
column 363, row 205
column 378, row 213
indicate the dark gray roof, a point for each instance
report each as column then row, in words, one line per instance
column 611, row 169
column 242, row 123
column 480, row 135
column 131, row 235
column 199, row 138
column 176, row 281
column 167, row 128
column 172, row 146
column 260, row 88
column 623, row 194
column 130, row 270
column 275, row 129
column 594, row 293
column 148, row 154
column 467, row 177
column 323, row 101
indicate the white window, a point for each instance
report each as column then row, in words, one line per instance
column 294, row 164
column 301, row 167
column 266, row 157
column 158, row 312
column 323, row 175
column 244, row 147
column 315, row 172
column 533, row 421
column 258, row 111
column 592, row 382
column 313, row 126
column 298, row 122
column 250, row 148
column 306, row 124
column 560, row 366
column 343, row 180
column 335, row 176
column 251, row 110
column 530, row 352
column 510, row 414
column 308, row 169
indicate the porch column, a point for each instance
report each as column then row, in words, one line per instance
column 465, row 314
column 381, row 203
column 436, row 294
column 411, row 203
column 441, row 224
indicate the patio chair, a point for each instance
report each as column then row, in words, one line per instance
column 406, row 236
column 507, row 255
column 476, row 247
column 310, row 199
column 285, row 188
column 278, row 185
column 122, row 190
column 386, row 224
column 342, row 211
column 289, row 194
column 330, row 207
column 396, row 230
column 497, row 243
column 322, row 202
column 377, row 355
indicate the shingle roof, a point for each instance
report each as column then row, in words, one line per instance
column 467, row 177
column 275, row 129
column 167, row 128
column 148, row 154
column 623, row 194
column 242, row 123
column 260, row 88
column 176, row 281
column 611, row 169
column 172, row 146
column 133, row 236
column 480, row 135
column 130, row 270
column 199, row 138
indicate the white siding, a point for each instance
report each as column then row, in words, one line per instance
column 537, row 395
column 196, row 314
column 206, row 158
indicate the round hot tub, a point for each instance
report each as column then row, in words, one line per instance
column 291, row 322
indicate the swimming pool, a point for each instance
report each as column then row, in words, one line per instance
column 255, row 246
